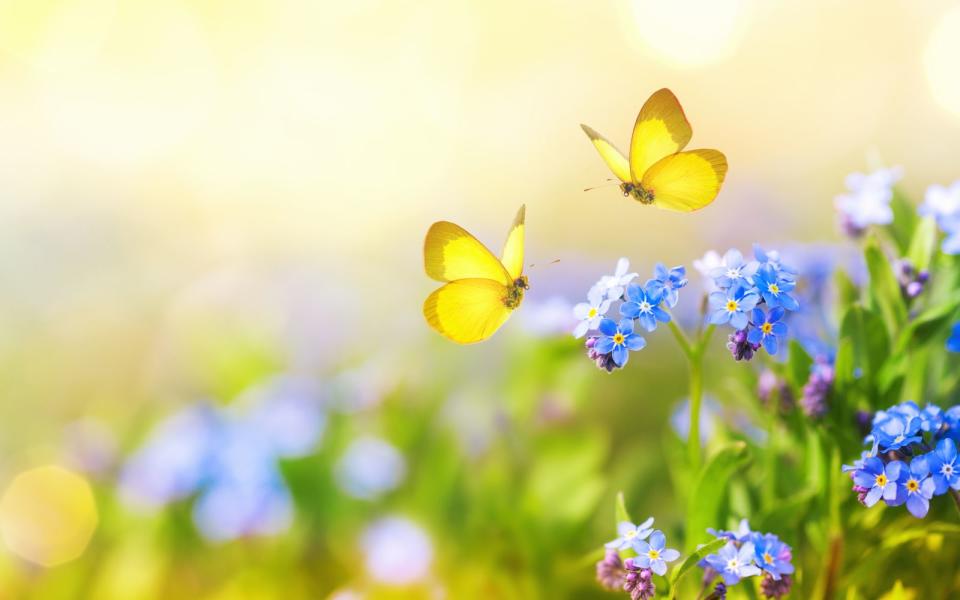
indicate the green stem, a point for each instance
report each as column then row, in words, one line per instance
column 696, row 399
column 681, row 338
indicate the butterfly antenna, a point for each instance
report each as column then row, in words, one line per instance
column 601, row 185
column 552, row 262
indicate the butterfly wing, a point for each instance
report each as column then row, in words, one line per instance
column 467, row 311
column 686, row 181
column 450, row 253
column 661, row 129
column 610, row 155
column 512, row 257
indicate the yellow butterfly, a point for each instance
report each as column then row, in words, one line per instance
column 482, row 290
column 658, row 173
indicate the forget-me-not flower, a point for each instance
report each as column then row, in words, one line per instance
column 667, row 283
column 591, row 312
column 916, row 487
column 654, row 555
column 880, row 480
column 732, row 306
column 734, row 564
column 644, row 305
column 775, row 288
column 618, row 340
column 767, row 329
column 868, row 200
column 734, row 271
column 942, row 202
column 772, row 555
column 629, row 534
column 944, row 466
column 896, row 431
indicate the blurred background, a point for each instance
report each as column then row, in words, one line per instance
column 216, row 378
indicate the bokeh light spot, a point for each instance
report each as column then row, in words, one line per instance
column 48, row 515
column 691, row 33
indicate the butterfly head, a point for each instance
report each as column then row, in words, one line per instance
column 515, row 292
column 637, row 192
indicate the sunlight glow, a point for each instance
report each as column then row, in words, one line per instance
column 691, row 33
column 940, row 61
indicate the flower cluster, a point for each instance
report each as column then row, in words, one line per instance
column 867, row 201
column 943, row 204
column 742, row 290
column 748, row 553
column 912, row 282
column 912, row 457
column 635, row 574
column 639, row 305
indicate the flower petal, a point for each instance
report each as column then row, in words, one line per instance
column 608, row 327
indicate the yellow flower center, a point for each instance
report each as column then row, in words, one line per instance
column 618, row 338
column 732, row 306
column 767, row 558
column 913, row 485
column 592, row 313
column 767, row 328
column 631, row 534
column 881, row 480
column 653, row 554
column 774, row 288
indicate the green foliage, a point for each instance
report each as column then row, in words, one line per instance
column 710, row 492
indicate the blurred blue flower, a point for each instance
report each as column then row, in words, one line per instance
column 772, row 555
column 618, row 340
column 772, row 259
column 231, row 508
column 174, row 460
column 767, row 329
column 591, row 312
column 654, row 555
column 287, row 411
column 775, row 288
column 709, row 417
column 628, row 534
column 732, row 306
column 612, row 286
column 941, row 202
column 916, row 485
column 397, row 551
column 734, row 564
column 944, row 466
column 880, row 480
column 369, row 468
column 734, row 271
column 644, row 305
column 953, row 342
column 951, row 421
column 667, row 283
column 868, row 200
column 931, row 418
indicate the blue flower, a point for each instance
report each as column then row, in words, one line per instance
column 772, row 555
column 732, row 306
column 767, row 329
column 895, row 430
column 733, row 564
column 644, row 304
column 951, row 420
column 774, row 288
column 668, row 283
column 879, row 480
column 916, row 486
column 618, row 340
column 931, row 418
column 612, row 285
column 868, row 202
column 654, row 555
column 734, row 272
column 944, row 466
column 772, row 258
column 628, row 534
column 953, row 342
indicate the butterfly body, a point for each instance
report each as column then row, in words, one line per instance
column 481, row 290
column 658, row 171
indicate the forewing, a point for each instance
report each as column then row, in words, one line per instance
column 450, row 253
column 661, row 129
column 610, row 155
column 512, row 257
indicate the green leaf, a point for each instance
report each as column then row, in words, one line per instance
column 923, row 244
column 843, row 366
column 691, row 561
column 710, row 491
column 884, row 290
column 847, row 291
column 904, row 220
column 621, row 510
column 798, row 365
column 871, row 346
